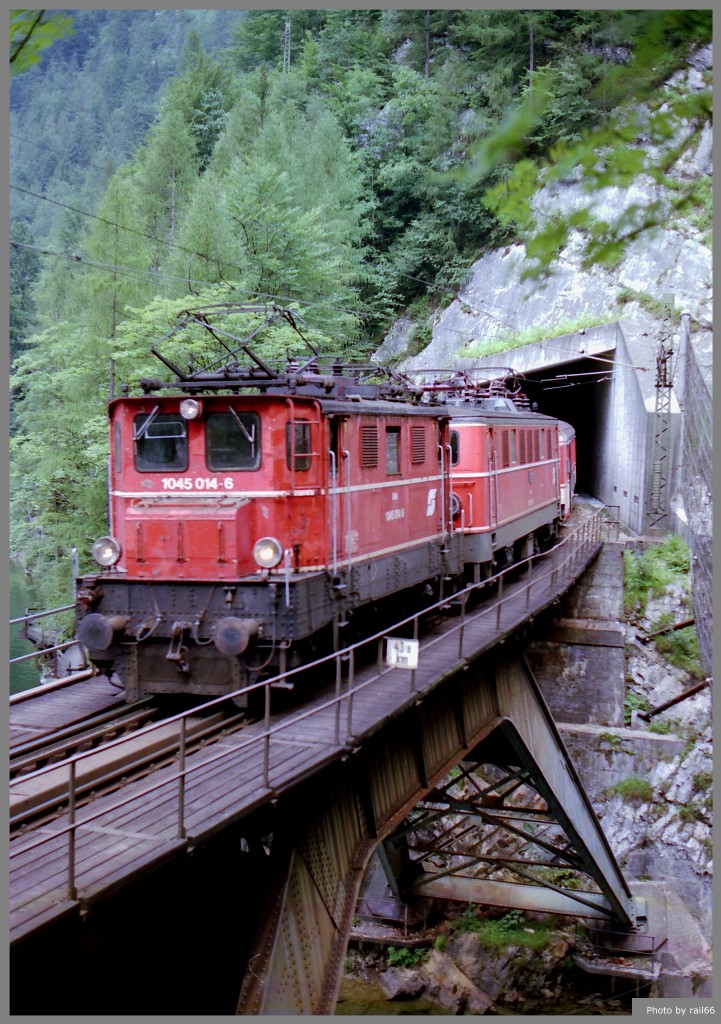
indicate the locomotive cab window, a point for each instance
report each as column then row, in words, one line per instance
column 393, row 450
column 454, row 447
column 161, row 442
column 297, row 445
column 232, row 440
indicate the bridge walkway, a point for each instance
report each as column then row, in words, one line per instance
column 64, row 865
column 62, row 704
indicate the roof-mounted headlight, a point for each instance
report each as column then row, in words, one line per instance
column 190, row 409
column 106, row 551
column 267, row 552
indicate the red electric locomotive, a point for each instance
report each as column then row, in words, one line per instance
column 248, row 527
column 255, row 513
column 513, row 471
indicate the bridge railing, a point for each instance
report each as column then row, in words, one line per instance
column 566, row 554
column 31, row 617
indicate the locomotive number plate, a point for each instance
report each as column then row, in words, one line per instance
column 197, row 483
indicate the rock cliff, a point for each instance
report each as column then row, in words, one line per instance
column 666, row 268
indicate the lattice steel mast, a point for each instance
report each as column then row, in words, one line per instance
column 657, row 508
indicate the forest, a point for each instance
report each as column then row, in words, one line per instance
column 350, row 164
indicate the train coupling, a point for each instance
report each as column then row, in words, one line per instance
column 177, row 651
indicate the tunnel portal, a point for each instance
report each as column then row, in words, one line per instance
column 579, row 393
column 604, row 385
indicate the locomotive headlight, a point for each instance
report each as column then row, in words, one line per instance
column 267, row 552
column 106, row 551
column 190, row 409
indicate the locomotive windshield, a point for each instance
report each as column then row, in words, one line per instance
column 232, row 440
column 161, row 442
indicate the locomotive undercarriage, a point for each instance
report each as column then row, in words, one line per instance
column 492, row 550
column 209, row 639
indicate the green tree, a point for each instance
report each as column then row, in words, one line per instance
column 120, row 258
column 167, row 168
column 58, row 453
column 54, row 290
column 203, row 93
column 24, row 270
column 285, row 250
column 286, row 215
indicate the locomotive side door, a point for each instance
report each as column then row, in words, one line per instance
column 492, row 459
column 338, row 491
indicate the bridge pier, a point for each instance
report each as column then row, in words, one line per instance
column 338, row 818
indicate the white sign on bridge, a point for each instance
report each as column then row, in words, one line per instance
column 402, row 653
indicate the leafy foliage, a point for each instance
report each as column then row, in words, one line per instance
column 58, row 454
column 404, row 956
column 30, row 33
column 512, row 929
column 613, row 152
column 653, row 570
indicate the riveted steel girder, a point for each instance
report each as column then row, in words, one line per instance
column 335, row 821
column 536, row 898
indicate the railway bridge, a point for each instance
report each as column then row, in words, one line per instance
column 227, row 879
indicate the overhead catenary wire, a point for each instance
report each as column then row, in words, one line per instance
column 172, row 245
column 140, row 275
column 219, row 262
column 569, row 376
column 114, row 268
column 578, row 384
column 125, row 227
column 225, row 263
column 600, row 359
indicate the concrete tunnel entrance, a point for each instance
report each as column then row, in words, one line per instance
column 579, row 393
column 604, row 386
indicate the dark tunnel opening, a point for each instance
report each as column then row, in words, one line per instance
column 579, row 393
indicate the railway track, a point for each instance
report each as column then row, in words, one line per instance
column 118, row 748
column 62, row 743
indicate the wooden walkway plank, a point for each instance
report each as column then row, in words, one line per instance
column 65, row 706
